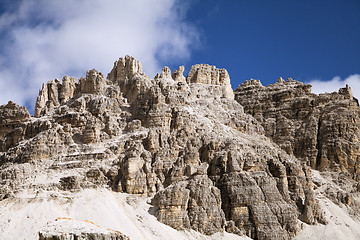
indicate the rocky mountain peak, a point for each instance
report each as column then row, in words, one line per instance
column 206, row 161
column 126, row 74
column 11, row 112
column 346, row 91
column 53, row 93
column 125, row 68
column 206, row 74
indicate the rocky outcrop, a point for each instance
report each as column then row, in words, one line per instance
column 69, row 229
column 12, row 117
column 94, row 83
column 53, row 93
column 178, row 75
column 125, row 69
column 11, row 112
column 192, row 204
column 206, row 74
column 188, row 145
column 322, row 130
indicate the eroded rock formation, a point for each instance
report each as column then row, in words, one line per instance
column 321, row 130
column 183, row 141
column 12, row 117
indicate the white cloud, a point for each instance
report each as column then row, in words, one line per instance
column 43, row 40
column 336, row 83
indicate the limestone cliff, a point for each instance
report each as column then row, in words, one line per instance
column 182, row 141
column 321, row 130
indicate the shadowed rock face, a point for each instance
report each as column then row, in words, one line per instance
column 183, row 141
column 322, row 130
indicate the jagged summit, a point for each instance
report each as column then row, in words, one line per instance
column 183, row 142
column 124, row 77
column 125, row 68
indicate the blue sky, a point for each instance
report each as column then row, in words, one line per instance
column 311, row 41
column 305, row 40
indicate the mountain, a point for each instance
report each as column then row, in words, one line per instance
column 103, row 157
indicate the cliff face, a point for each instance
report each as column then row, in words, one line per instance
column 182, row 141
column 12, row 118
column 322, row 130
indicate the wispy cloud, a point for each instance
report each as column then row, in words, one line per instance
column 43, row 39
column 319, row 86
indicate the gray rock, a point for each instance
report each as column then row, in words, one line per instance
column 321, row 130
column 188, row 145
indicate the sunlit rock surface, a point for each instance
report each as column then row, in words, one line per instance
column 182, row 142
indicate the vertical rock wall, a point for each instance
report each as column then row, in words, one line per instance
column 321, row 130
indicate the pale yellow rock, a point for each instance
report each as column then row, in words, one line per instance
column 178, row 75
column 165, row 73
column 206, row 74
